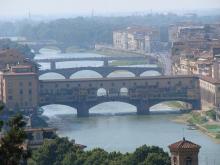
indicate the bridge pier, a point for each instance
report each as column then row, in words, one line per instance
column 196, row 105
column 82, row 109
column 142, row 108
column 52, row 65
column 105, row 63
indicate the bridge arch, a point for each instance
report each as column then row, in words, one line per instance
column 51, row 76
column 172, row 105
column 51, row 110
column 150, row 73
column 121, row 73
column 113, row 107
column 85, row 74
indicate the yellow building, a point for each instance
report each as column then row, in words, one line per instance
column 19, row 88
column 18, row 81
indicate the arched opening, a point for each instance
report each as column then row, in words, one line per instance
column 101, row 92
column 150, row 73
column 113, row 107
column 171, row 107
column 188, row 161
column 52, row 110
column 86, row 74
column 51, row 76
column 124, row 91
column 121, row 73
column 58, row 116
column 49, row 50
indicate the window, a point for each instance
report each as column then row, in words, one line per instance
column 10, row 91
column 188, row 161
column 30, row 83
column 10, row 97
column 174, row 161
column 30, row 91
column 20, row 84
column 21, row 92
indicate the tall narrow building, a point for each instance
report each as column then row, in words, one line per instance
column 184, row 152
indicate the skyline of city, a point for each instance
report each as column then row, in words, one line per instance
column 66, row 8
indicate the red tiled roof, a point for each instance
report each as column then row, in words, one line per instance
column 184, row 144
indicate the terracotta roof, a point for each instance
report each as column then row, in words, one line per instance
column 184, row 144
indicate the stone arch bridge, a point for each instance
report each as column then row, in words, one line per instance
column 103, row 71
column 142, row 92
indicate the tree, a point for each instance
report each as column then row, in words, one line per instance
column 11, row 150
column 62, row 152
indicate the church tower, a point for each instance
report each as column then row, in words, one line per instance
column 184, row 153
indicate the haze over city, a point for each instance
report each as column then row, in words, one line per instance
column 20, row 8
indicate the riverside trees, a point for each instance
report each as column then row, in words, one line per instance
column 61, row 151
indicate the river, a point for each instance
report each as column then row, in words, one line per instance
column 115, row 126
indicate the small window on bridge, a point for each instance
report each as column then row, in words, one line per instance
column 101, row 84
column 168, row 82
column 79, row 85
column 124, row 83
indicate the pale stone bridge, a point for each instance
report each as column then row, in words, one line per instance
column 142, row 92
column 104, row 59
column 103, row 71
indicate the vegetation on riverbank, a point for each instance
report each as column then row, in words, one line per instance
column 62, row 151
column 125, row 63
column 38, row 122
column 176, row 105
column 204, row 121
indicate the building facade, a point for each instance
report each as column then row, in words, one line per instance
column 18, row 82
column 137, row 39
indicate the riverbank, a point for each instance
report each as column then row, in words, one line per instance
column 203, row 121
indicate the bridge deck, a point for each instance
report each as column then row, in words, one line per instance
column 136, row 57
column 121, row 78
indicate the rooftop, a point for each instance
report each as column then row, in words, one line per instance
column 184, row 144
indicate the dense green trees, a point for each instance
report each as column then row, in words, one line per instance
column 11, row 150
column 85, row 31
column 61, row 152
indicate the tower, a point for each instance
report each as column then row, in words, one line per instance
column 184, row 153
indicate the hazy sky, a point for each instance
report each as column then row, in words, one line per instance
column 50, row 7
